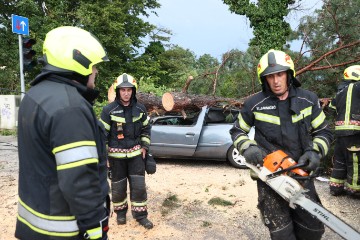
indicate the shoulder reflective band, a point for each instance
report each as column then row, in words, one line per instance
column 267, row 118
column 60, row 226
column 243, row 125
column 106, row 126
column 318, row 120
column 137, row 118
column 117, row 119
column 303, row 114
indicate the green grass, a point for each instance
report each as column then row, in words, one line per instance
column 169, row 204
column 8, row 132
column 220, row 202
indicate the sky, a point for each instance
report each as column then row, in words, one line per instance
column 207, row 26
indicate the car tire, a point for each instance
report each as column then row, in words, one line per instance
column 235, row 159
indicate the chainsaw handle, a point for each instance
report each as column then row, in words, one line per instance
column 286, row 170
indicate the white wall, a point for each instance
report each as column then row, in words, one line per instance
column 9, row 106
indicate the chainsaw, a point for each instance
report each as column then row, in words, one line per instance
column 282, row 173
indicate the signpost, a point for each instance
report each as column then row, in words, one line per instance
column 20, row 26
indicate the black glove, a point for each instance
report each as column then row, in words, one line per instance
column 150, row 164
column 254, row 155
column 311, row 159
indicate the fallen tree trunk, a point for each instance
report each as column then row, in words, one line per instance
column 182, row 102
column 178, row 101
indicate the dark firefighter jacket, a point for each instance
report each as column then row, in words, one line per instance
column 294, row 125
column 347, row 105
column 128, row 127
column 62, row 161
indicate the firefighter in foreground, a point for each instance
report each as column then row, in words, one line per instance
column 128, row 126
column 345, row 177
column 285, row 118
column 63, row 187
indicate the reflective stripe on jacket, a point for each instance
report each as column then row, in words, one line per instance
column 347, row 104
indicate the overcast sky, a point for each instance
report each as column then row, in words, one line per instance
column 207, row 26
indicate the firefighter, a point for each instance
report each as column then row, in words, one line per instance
column 63, row 189
column 345, row 176
column 286, row 118
column 128, row 128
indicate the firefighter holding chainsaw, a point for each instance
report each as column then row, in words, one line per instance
column 128, row 126
column 288, row 118
column 345, row 176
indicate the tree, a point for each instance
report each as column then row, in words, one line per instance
column 267, row 20
column 330, row 44
column 119, row 25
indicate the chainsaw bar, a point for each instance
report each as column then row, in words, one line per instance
column 291, row 190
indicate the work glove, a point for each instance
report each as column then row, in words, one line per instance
column 311, row 159
column 150, row 164
column 254, row 155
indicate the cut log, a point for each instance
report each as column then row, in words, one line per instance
column 178, row 101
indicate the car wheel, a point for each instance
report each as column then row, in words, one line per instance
column 235, row 159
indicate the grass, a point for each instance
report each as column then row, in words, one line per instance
column 8, row 132
column 169, row 204
column 220, row 202
column 206, row 224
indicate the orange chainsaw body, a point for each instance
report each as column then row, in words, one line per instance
column 279, row 160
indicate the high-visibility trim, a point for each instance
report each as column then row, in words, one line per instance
column 335, row 180
column 356, row 187
column 78, row 163
column 246, row 144
column 347, row 127
column 318, row 120
column 356, row 170
column 316, row 147
column 239, row 139
column 348, row 104
column 117, row 204
column 124, row 155
column 303, row 114
column 267, row 118
column 73, row 145
column 146, row 122
column 137, row 118
column 322, row 143
column 243, row 125
column 61, row 226
column 76, row 154
column 145, row 139
column 106, row 126
column 117, row 119
column 139, row 204
column 95, row 233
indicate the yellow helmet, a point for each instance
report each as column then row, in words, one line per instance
column 125, row 80
column 352, row 73
column 73, row 49
column 274, row 61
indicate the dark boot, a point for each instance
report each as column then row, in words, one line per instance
column 145, row 223
column 337, row 191
column 121, row 218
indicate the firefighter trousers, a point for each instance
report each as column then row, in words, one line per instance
column 132, row 171
column 345, row 174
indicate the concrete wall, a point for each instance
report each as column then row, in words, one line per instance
column 9, row 107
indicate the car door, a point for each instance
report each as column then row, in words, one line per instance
column 176, row 138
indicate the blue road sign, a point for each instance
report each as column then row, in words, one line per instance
column 20, row 25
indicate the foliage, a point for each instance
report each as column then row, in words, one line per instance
column 267, row 20
column 333, row 26
column 8, row 132
column 120, row 29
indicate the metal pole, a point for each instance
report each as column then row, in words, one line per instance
column 22, row 81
